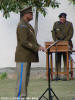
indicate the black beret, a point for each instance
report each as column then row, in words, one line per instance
column 62, row 14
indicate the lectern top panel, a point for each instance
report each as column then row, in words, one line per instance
column 61, row 46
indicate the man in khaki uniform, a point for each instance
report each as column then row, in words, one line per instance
column 62, row 30
column 26, row 51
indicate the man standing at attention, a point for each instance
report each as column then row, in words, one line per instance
column 62, row 30
column 26, row 51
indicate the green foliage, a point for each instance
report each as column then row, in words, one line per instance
column 8, row 6
column 72, row 1
column 3, row 75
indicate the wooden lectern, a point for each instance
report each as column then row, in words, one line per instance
column 62, row 46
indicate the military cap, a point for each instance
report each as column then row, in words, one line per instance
column 25, row 10
column 62, row 14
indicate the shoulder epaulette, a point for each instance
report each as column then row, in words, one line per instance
column 23, row 26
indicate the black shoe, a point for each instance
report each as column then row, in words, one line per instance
column 23, row 98
column 64, row 78
column 57, row 78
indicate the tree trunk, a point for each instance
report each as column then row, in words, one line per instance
column 36, row 22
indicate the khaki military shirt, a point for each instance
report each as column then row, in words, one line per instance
column 27, row 46
column 62, row 31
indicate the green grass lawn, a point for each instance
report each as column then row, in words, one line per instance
column 65, row 90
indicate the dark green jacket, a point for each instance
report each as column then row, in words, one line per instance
column 62, row 31
column 27, row 46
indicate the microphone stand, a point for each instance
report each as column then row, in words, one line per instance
column 56, row 57
column 49, row 89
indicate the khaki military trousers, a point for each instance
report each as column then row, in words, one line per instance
column 58, row 61
column 25, row 78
